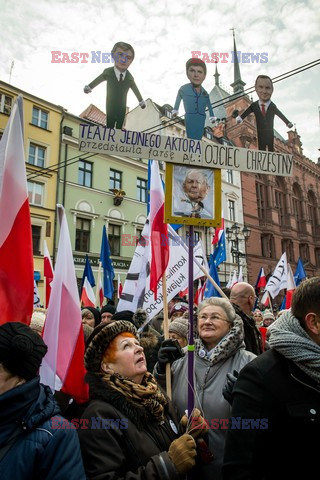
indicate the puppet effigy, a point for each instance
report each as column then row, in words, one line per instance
column 195, row 99
column 119, row 80
column 264, row 110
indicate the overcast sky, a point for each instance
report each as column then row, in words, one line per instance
column 164, row 34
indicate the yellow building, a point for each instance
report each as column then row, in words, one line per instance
column 42, row 121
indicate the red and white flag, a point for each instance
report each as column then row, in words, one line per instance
column 240, row 276
column 234, row 279
column 16, row 260
column 47, row 271
column 87, row 295
column 265, row 300
column 120, row 287
column 101, row 294
column 291, row 286
column 158, row 230
column 198, row 297
column 62, row 367
column 218, row 232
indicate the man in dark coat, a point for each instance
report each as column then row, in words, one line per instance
column 35, row 441
column 276, row 399
column 264, row 110
column 243, row 298
column 119, row 81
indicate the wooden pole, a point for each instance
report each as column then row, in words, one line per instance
column 166, row 332
column 97, row 302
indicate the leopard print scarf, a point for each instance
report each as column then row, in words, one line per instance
column 146, row 394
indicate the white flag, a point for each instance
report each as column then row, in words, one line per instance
column 136, row 290
column 278, row 279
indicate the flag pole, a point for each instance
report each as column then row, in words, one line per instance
column 190, row 333
column 98, row 285
column 166, row 331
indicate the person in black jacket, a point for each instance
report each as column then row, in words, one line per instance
column 276, row 399
column 264, row 110
column 35, row 441
column 132, row 429
column 243, row 297
column 119, row 81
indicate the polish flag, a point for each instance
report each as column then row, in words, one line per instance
column 159, row 230
column 16, row 260
column 199, row 293
column 218, row 232
column 101, row 294
column 120, row 287
column 47, row 271
column 62, row 367
column 87, row 294
column 265, row 300
column 291, row 286
column 183, row 293
column 234, row 279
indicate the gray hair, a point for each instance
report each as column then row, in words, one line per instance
column 197, row 171
column 219, row 302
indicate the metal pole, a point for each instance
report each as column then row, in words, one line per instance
column 191, row 326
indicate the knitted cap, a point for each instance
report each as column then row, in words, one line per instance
column 126, row 315
column 102, row 339
column 268, row 314
column 21, row 349
column 108, row 309
column 178, row 307
column 95, row 312
column 180, row 327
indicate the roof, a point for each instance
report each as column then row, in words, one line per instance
column 94, row 114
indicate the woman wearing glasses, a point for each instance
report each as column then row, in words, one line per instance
column 219, row 351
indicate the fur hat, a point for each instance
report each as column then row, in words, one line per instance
column 180, row 327
column 38, row 319
column 140, row 316
column 101, row 340
column 21, row 350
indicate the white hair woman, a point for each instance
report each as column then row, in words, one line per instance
column 219, row 351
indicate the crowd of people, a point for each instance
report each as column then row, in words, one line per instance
column 254, row 391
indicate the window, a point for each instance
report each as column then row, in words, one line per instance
column 297, row 206
column 85, row 173
column 287, row 246
column 312, row 211
column 83, row 227
column 304, row 252
column 267, row 246
column 232, row 212
column 230, row 176
column 35, row 193
column 234, row 249
column 36, row 239
column 142, row 190
column 114, row 234
column 115, row 179
column 5, row 103
column 317, row 256
column 280, row 202
column 138, row 235
column 261, row 193
column 39, row 118
column 36, row 155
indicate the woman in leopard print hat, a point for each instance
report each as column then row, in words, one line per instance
column 130, row 428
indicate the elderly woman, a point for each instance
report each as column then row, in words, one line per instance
column 129, row 430
column 91, row 316
column 219, row 350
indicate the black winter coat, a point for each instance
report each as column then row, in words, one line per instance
column 123, row 441
column 47, row 447
column 279, row 441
